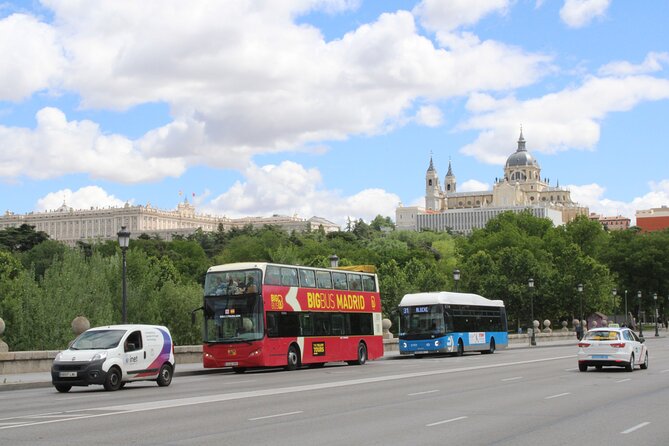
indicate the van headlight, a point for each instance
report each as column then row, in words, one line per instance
column 99, row 356
column 58, row 356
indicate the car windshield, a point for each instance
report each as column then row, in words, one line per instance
column 97, row 340
column 602, row 335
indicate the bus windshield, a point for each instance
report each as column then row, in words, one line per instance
column 233, row 318
column 423, row 320
column 233, row 307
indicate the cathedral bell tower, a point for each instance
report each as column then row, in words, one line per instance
column 449, row 180
column 432, row 189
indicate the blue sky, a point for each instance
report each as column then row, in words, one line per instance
column 328, row 107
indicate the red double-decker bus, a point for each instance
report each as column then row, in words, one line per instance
column 272, row 315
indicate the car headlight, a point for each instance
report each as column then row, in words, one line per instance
column 99, row 356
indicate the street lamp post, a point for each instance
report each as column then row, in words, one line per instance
column 626, row 323
column 638, row 294
column 580, row 299
column 614, row 292
column 530, row 284
column 456, row 278
column 655, row 300
column 124, row 241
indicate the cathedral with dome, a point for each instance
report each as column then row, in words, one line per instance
column 521, row 188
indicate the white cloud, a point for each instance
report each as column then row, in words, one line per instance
column 289, row 189
column 429, row 116
column 446, row 16
column 31, row 58
column 567, row 119
column 85, row 198
column 592, row 196
column 652, row 63
column 578, row 13
column 473, row 186
column 57, row 147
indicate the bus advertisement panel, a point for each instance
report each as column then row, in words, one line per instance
column 269, row 315
column 445, row 322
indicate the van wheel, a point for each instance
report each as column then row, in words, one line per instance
column 293, row 358
column 165, row 375
column 362, row 355
column 113, row 380
column 63, row 388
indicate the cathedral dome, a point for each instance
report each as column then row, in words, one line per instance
column 521, row 157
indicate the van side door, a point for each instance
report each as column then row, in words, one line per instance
column 134, row 360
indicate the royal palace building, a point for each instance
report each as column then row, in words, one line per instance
column 70, row 226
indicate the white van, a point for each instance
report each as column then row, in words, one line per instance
column 114, row 355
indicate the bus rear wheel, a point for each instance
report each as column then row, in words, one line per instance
column 293, row 358
column 362, row 355
column 490, row 350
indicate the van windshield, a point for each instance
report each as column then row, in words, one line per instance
column 97, row 340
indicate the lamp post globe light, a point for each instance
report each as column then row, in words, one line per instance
column 638, row 294
column 530, row 284
column 334, row 261
column 456, row 278
column 124, row 241
column 655, row 300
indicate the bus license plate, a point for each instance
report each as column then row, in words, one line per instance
column 231, row 364
column 67, row 374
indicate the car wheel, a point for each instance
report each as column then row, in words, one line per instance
column 644, row 365
column 583, row 367
column 630, row 365
column 113, row 380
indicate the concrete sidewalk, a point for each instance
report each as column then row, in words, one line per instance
column 43, row 379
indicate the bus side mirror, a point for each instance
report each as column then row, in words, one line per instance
column 192, row 314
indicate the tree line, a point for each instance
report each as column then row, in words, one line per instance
column 45, row 284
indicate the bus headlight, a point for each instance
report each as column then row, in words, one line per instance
column 404, row 345
column 255, row 353
column 436, row 343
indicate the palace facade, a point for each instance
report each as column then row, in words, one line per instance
column 70, row 226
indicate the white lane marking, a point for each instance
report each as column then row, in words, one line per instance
column 571, row 370
column 624, row 380
column 664, row 371
column 275, row 415
column 557, row 396
column 445, row 421
column 422, row 393
column 638, row 426
column 166, row 404
column 515, row 378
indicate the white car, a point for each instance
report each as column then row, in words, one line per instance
column 612, row 346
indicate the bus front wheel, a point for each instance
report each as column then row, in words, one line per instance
column 461, row 348
column 293, row 358
column 362, row 355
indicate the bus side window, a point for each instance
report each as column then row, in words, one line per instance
column 289, row 277
column 273, row 275
column 368, row 283
column 339, row 280
column 323, row 279
column 354, row 283
column 307, row 278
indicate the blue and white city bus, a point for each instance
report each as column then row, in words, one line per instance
column 445, row 322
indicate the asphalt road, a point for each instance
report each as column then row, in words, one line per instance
column 514, row 397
